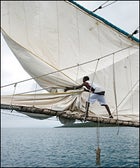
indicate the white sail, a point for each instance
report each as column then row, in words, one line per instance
column 59, row 42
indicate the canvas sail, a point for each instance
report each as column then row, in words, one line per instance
column 59, row 42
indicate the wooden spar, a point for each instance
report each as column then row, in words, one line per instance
column 70, row 115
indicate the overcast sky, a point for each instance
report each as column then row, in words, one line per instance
column 123, row 14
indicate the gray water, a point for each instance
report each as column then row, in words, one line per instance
column 69, row 147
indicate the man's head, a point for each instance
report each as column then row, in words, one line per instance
column 85, row 78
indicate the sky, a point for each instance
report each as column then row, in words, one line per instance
column 123, row 14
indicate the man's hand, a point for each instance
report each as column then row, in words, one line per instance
column 86, row 90
column 69, row 88
column 73, row 88
column 66, row 89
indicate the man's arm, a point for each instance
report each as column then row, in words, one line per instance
column 88, row 88
column 73, row 87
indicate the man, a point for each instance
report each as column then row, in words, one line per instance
column 97, row 94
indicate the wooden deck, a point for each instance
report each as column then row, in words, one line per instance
column 70, row 115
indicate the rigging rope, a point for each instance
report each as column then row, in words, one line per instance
column 109, row 4
column 129, row 61
column 134, row 32
column 79, row 48
column 13, row 96
column 102, row 6
column 78, row 106
column 94, row 73
column 98, row 150
column 115, row 92
column 37, row 56
column 128, row 93
column 114, row 87
column 35, row 94
column 87, row 102
column 68, row 67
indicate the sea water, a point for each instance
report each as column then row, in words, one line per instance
column 70, row 147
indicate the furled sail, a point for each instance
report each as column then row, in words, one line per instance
column 59, row 42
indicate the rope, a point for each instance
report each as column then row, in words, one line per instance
column 58, row 32
column 102, row 6
column 13, row 96
column 131, row 81
column 109, row 4
column 98, row 150
column 34, row 94
column 78, row 106
column 114, row 87
column 115, row 93
column 79, row 48
column 97, row 132
column 87, row 62
column 134, row 32
column 32, row 91
column 128, row 93
column 94, row 73
column 77, row 72
column 37, row 56
column 87, row 102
